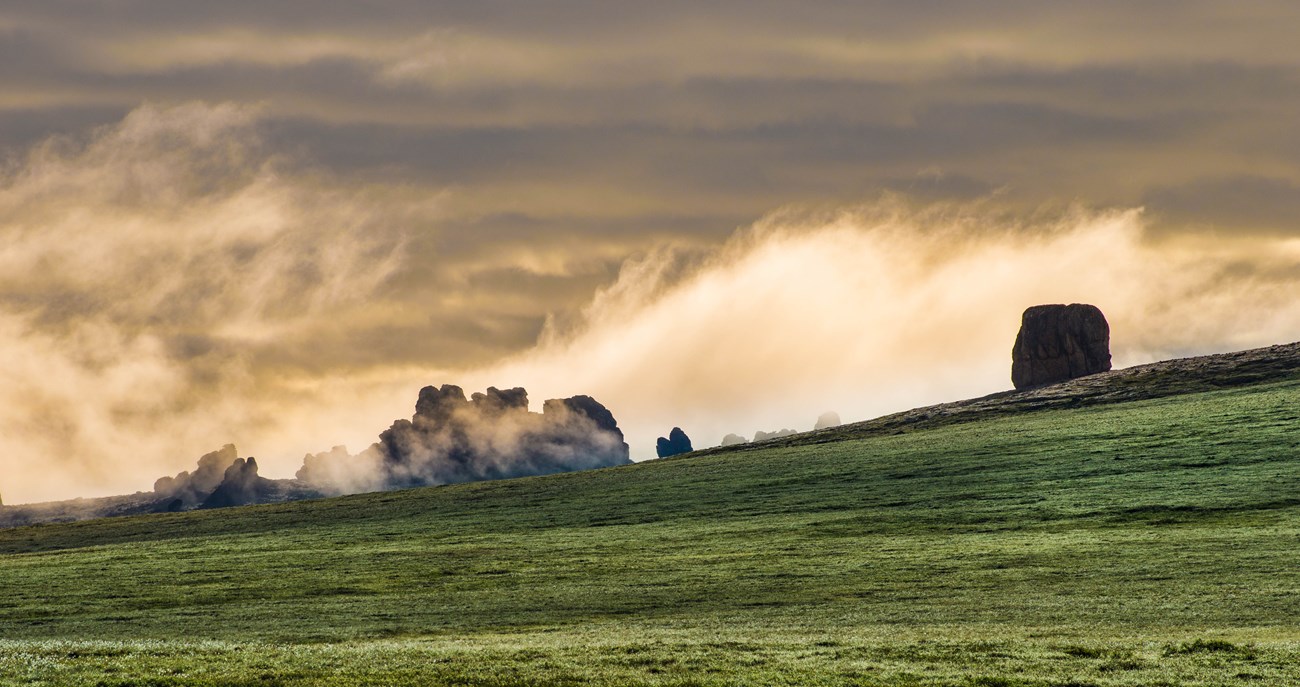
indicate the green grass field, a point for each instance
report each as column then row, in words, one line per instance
column 1146, row 543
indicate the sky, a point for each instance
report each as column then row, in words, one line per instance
column 270, row 224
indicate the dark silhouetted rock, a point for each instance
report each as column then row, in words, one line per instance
column 491, row 435
column 436, row 406
column 497, row 402
column 828, row 419
column 221, row 479
column 1059, row 342
column 733, row 439
column 603, row 431
column 239, row 487
column 192, row 488
column 173, row 506
column 587, row 407
column 677, row 443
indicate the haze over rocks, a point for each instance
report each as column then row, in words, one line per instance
column 733, row 439
column 449, row 439
column 240, row 486
column 190, row 489
column 222, row 479
column 491, row 435
column 223, row 470
column 762, row 436
column 827, row 419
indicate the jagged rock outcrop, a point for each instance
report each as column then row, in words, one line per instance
column 239, row 486
column 582, row 406
column 495, row 402
column 491, row 435
column 1057, row 343
column 193, row 488
column 449, row 439
column 221, row 479
column 828, row 419
column 733, row 439
column 676, row 444
column 761, row 435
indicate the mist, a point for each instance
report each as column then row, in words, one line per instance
column 887, row 306
column 152, row 272
column 172, row 283
column 491, row 435
column 222, row 226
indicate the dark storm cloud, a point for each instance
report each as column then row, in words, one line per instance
column 25, row 127
column 713, row 106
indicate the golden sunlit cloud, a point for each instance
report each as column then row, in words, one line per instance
column 170, row 285
column 877, row 309
column 142, row 270
column 271, row 224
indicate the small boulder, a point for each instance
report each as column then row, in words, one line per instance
column 1058, row 343
column 677, row 443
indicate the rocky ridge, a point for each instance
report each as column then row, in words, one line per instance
column 1153, row 380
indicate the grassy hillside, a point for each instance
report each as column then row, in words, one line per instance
column 1149, row 542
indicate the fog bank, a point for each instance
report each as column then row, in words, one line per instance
column 884, row 307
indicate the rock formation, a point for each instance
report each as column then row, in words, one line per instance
column 761, row 435
column 450, row 438
column 733, row 439
column 828, row 419
column 192, row 489
column 221, row 479
column 239, row 486
column 1059, row 342
column 491, row 435
column 676, row 444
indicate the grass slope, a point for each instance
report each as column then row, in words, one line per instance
column 1145, row 543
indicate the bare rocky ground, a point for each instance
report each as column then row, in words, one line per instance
column 1154, row 380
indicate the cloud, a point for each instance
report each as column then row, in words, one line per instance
column 581, row 116
column 178, row 280
column 1268, row 204
column 143, row 272
column 491, row 435
column 321, row 207
column 174, row 282
column 882, row 307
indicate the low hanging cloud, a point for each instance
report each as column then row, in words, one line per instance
column 883, row 307
column 174, row 282
column 148, row 270
column 491, row 435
